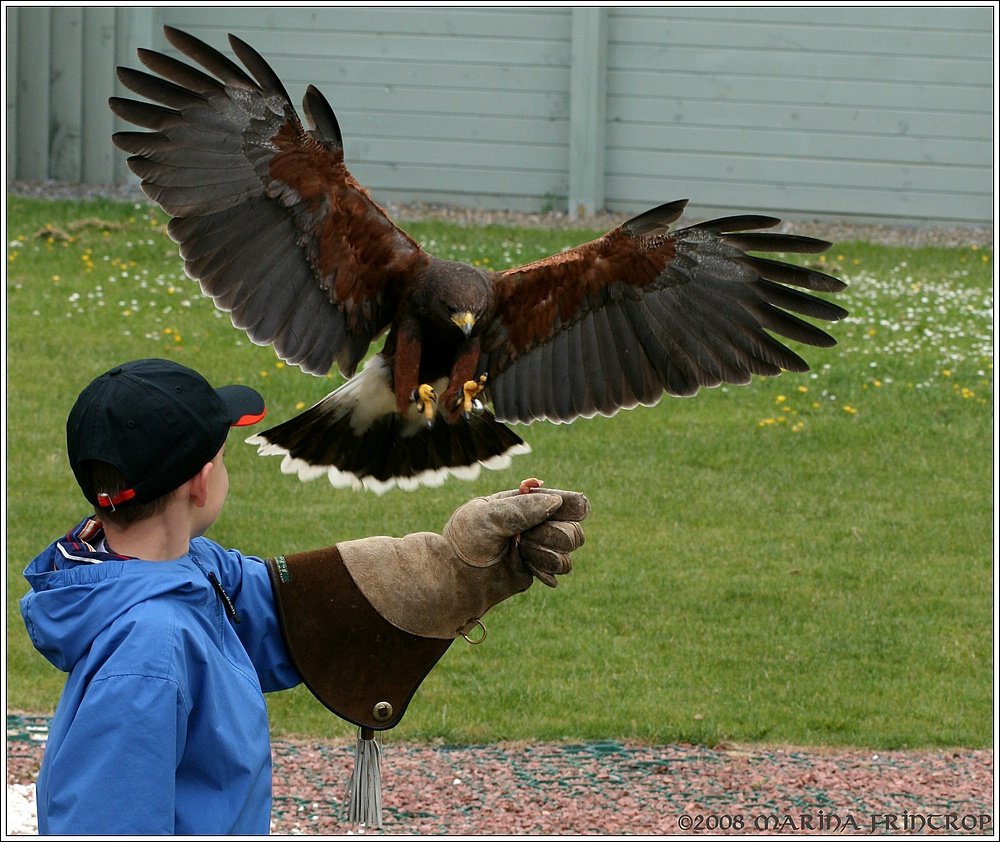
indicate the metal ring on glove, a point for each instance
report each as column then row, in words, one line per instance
column 472, row 642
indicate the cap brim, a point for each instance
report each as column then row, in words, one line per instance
column 245, row 405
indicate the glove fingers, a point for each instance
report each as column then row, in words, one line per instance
column 513, row 515
column 545, row 559
column 545, row 564
column 575, row 506
column 480, row 531
column 545, row 549
column 564, row 536
column 546, row 579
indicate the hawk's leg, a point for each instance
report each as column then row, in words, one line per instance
column 470, row 395
column 463, row 371
column 426, row 400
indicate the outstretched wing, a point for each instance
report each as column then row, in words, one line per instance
column 642, row 311
column 268, row 218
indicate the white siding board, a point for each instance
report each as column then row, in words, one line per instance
column 712, row 197
column 416, row 21
column 819, row 119
column 419, row 125
column 346, row 72
column 760, row 170
column 445, row 153
column 404, row 99
column 793, row 143
column 948, row 18
column 725, row 86
column 516, row 189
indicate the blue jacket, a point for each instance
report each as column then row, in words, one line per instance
column 162, row 726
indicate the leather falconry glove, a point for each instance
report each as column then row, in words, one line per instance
column 441, row 585
column 365, row 621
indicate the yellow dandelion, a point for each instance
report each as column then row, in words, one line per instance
column 780, row 399
column 300, row 405
column 803, row 389
column 850, row 410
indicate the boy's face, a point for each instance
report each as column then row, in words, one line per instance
column 218, row 488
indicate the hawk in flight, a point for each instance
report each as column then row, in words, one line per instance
column 278, row 232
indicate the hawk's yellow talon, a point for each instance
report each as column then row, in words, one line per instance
column 426, row 398
column 470, row 391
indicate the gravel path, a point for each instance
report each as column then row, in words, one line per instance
column 602, row 788
column 833, row 230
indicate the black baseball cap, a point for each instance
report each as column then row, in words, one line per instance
column 157, row 422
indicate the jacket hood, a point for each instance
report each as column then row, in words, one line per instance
column 78, row 589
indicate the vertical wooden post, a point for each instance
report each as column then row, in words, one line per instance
column 135, row 26
column 588, row 91
column 34, row 43
column 99, row 83
column 66, row 92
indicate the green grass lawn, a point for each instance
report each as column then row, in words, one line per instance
column 805, row 560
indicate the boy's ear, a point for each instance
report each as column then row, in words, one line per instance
column 198, row 485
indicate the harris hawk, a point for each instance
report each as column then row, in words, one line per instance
column 280, row 235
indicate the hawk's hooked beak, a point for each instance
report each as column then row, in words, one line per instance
column 464, row 321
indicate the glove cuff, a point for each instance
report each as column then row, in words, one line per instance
column 357, row 663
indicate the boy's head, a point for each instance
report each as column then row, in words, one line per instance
column 144, row 428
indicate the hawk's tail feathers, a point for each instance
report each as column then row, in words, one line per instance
column 358, row 440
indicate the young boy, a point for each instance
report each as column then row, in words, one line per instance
column 170, row 640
